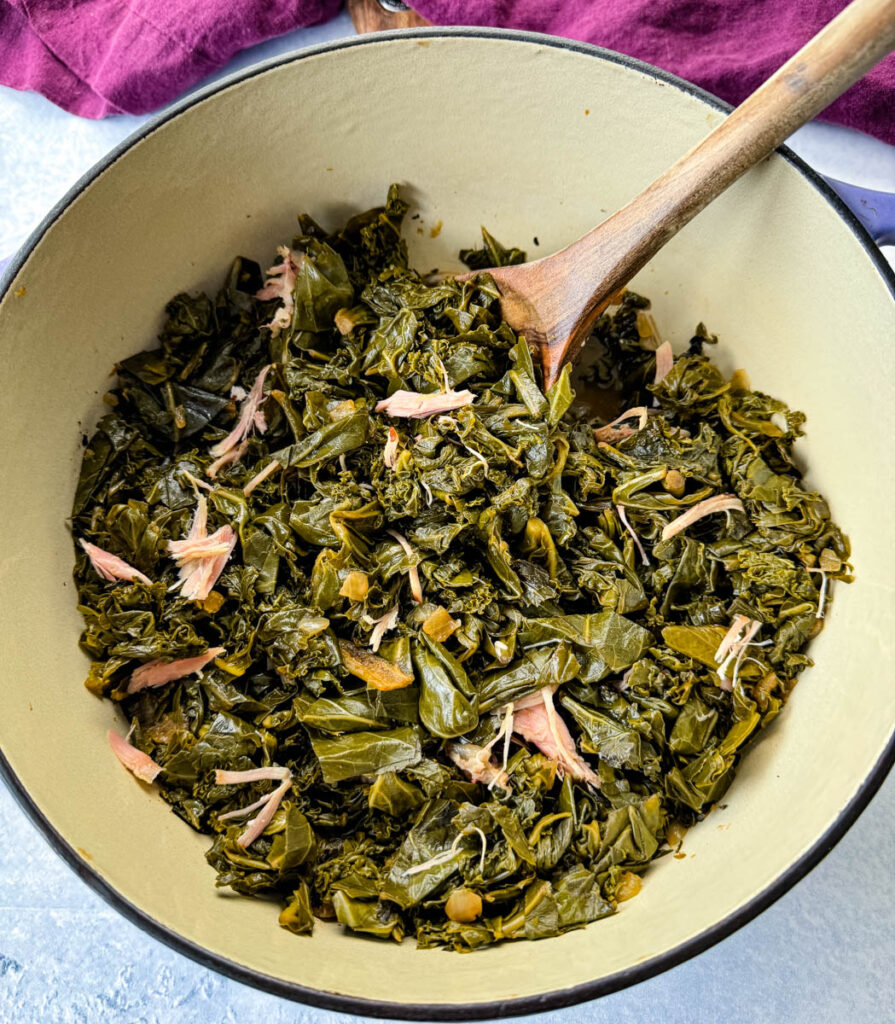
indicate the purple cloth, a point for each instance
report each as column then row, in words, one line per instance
column 727, row 46
column 99, row 57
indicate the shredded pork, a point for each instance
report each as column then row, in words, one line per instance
column 719, row 503
column 619, row 428
column 111, row 567
column 280, row 284
column 234, row 455
column 201, row 557
column 412, row 405
column 382, row 625
column 158, row 672
column 134, row 760
column 268, row 803
column 664, row 361
column 250, row 415
column 413, row 573
column 476, row 762
column 541, row 724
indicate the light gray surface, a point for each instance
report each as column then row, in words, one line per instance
column 824, row 952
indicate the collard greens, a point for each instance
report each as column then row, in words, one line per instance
column 473, row 647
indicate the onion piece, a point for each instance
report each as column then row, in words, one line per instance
column 622, row 515
column 390, row 454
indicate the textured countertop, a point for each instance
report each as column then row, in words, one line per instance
column 824, row 952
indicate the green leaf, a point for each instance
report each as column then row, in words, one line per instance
column 542, row 666
column 377, row 919
column 329, row 442
column 321, row 287
column 699, row 642
column 293, row 846
column 351, row 712
column 536, row 535
column 444, row 710
column 366, row 753
column 605, row 642
column 395, row 796
column 296, row 916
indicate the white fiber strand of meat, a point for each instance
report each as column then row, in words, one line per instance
column 416, row 588
column 718, row 503
column 622, row 515
column 822, row 597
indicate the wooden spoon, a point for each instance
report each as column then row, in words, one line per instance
column 376, row 16
column 554, row 301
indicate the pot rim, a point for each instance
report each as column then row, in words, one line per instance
column 558, row 998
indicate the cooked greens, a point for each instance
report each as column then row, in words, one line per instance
column 427, row 650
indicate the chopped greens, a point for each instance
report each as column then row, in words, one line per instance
column 425, row 649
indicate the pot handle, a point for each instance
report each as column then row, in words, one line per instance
column 875, row 210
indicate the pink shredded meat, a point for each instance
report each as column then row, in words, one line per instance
column 250, row 415
column 664, row 361
column 134, row 760
column 412, row 405
column 111, row 567
column 268, row 803
column 618, row 429
column 260, row 822
column 542, row 725
column 731, row 636
column 201, row 557
column 260, row 477
column 234, row 455
column 719, row 503
column 280, row 285
column 158, row 672
column 476, row 762
column 381, row 626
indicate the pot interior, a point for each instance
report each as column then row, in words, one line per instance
column 535, row 140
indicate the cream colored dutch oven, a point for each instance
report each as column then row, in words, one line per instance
column 531, row 136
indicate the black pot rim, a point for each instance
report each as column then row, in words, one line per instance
column 446, row 1011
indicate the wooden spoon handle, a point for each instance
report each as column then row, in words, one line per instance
column 372, row 16
column 822, row 70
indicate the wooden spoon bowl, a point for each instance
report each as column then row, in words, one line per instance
column 554, row 301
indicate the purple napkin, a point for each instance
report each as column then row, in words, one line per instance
column 727, row 46
column 99, row 57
